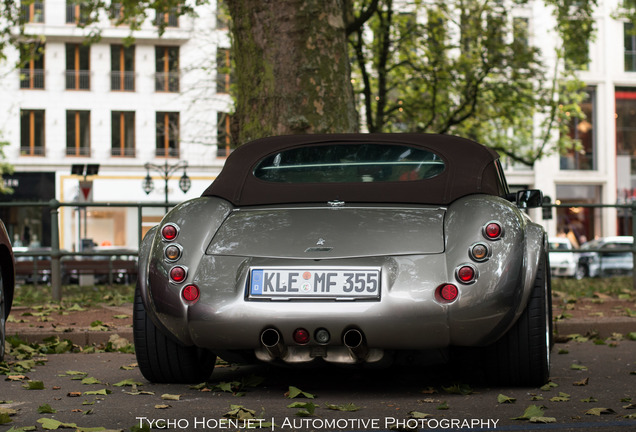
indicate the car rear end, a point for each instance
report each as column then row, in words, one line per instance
column 344, row 284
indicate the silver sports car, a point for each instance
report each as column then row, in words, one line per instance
column 350, row 249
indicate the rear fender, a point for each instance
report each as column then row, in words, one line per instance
column 197, row 221
column 502, row 288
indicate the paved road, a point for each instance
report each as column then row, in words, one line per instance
column 385, row 397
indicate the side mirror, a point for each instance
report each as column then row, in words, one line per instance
column 529, row 198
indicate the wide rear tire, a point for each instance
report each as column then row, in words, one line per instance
column 3, row 318
column 163, row 360
column 522, row 356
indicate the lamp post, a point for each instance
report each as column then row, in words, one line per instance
column 165, row 171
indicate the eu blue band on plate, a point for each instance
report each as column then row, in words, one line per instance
column 256, row 285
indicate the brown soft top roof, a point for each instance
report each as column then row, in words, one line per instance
column 469, row 168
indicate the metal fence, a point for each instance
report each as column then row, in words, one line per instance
column 56, row 254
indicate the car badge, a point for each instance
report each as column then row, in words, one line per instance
column 336, row 203
column 320, row 246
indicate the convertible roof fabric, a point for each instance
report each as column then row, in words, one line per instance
column 470, row 168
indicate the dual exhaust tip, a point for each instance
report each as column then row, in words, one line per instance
column 353, row 339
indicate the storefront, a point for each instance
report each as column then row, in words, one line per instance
column 579, row 224
column 28, row 226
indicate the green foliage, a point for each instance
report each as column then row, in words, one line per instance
column 467, row 68
column 132, row 13
column 5, row 168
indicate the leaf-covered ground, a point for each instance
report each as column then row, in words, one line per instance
column 592, row 384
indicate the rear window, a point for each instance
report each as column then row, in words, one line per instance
column 349, row 163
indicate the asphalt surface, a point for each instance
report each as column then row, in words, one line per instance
column 588, row 379
column 603, row 382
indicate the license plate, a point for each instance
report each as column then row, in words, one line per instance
column 317, row 283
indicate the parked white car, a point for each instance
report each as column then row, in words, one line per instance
column 562, row 263
column 608, row 262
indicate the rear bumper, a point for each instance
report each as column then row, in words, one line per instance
column 406, row 317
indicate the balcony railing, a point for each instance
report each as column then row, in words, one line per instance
column 167, row 152
column 167, row 82
column 32, row 13
column 78, row 151
column 170, row 19
column 31, row 78
column 78, row 80
column 122, row 81
column 32, row 151
column 123, row 152
column 75, row 14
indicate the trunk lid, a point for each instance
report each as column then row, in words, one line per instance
column 325, row 232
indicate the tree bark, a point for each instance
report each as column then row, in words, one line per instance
column 292, row 68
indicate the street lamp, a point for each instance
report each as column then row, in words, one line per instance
column 165, row 171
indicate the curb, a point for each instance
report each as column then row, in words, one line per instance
column 80, row 337
column 604, row 328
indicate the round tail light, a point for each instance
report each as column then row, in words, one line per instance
column 169, row 232
column 465, row 274
column 446, row 293
column 178, row 274
column 191, row 293
column 301, row 336
column 493, row 230
column 479, row 252
column 172, row 253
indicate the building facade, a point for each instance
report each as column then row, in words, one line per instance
column 114, row 105
column 603, row 169
column 163, row 100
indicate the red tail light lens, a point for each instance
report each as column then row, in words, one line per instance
column 178, row 274
column 191, row 293
column 492, row 231
column 447, row 293
column 465, row 274
column 169, row 232
column 301, row 336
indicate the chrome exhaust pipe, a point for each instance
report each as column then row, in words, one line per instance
column 273, row 342
column 354, row 340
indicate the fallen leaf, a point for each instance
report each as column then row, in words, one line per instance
column 74, row 394
column 583, row 382
column 52, row 424
column 307, row 409
column 240, row 412
column 460, row 389
column 4, row 419
column 98, row 392
column 16, row 378
column 578, row 367
column 549, row 386
column 295, row 392
column 162, row 406
column 46, row 409
column 542, row 420
column 599, row 411
column 350, row 407
column 418, row 415
column 34, row 385
column 505, row 399
column 174, row 397
column 128, row 382
column 531, row 411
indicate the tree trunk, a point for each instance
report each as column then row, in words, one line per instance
column 292, row 68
